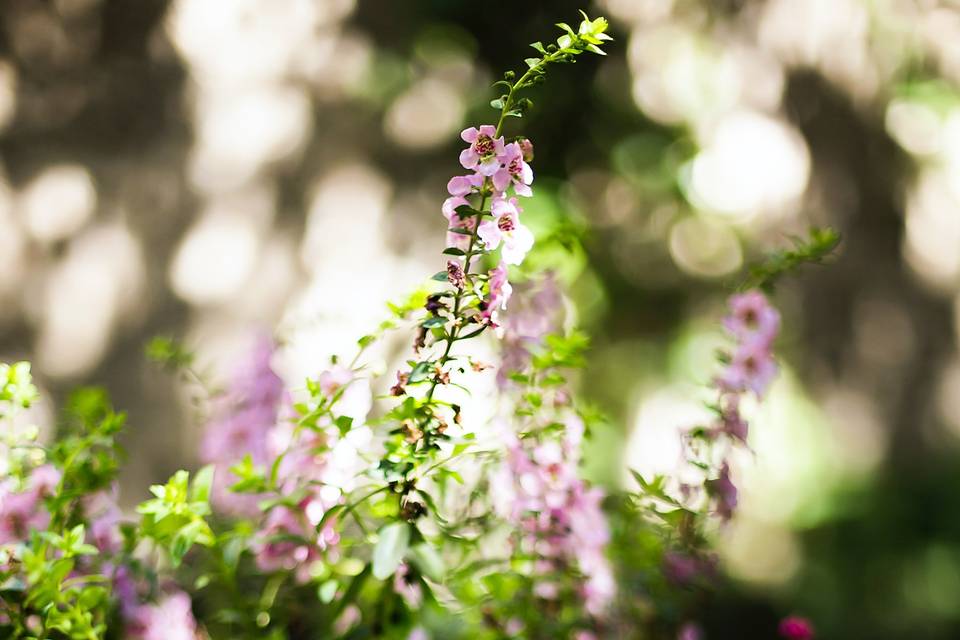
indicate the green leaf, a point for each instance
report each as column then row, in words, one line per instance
column 453, row 251
column 433, row 321
column 390, row 549
column 532, row 62
column 439, row 276
column 327, row 591
column 420, row 372
column 200, row 487
column 427, row 561
column 496, row 103
column 344, row 424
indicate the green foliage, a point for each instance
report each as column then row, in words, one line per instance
column 176, row 518
column 169, row 353
column 16, row 386
column 819, row 244
column 590, row 35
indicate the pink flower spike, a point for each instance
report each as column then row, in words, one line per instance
column 796, row 628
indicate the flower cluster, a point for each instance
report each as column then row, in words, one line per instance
column 497, row 167
column 21, row 508
column 315, row 464
column 241, row 424
column 557, row 517
column 753, row 323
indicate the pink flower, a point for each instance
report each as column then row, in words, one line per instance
column 459, row 186
column 752, row 318
column 418, row 633
column 21, row 513
column 690, row 631
column 104, row 515
column 169, row 619
column 499, row 294
column 752, row 367
column 241, row 425
column 284, row 544
column 731, row 422
column 506, row 228
column 44, row 480
column 557, row 517
column 796, row 628
column 484, row 150
column 725, row 492
column 406, row 585
column 514, row 170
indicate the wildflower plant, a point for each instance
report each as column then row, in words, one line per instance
column 355, row 506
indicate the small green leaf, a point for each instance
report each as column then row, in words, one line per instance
column 200, row 487
column 453, row 251
column 420, row 372
column 327, row 591
column 390, row 549
column 433, row 321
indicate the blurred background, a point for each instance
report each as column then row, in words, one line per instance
column 209, row 169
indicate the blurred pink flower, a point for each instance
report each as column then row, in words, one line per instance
column 169, row 619
column 752, row 318
column 796, row 628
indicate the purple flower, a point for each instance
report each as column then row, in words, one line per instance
column 731, row 422
column 724, row 492
column 241, row 425
column 484, row 150
column 796, row 628
column 752, row 318
column 21, row 513
column 506, row 228
column 513, row 170
column 752, row 367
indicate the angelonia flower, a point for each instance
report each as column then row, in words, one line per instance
column 796, row 628
column 485, row 153
column 753, row 323
column 498, row 168
column 22, row 511
column 319, row 467
column 558, row 517
column 506, row 228
column 171, row 618
column 536, row 312
column 240, row 426
column 500, row 291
